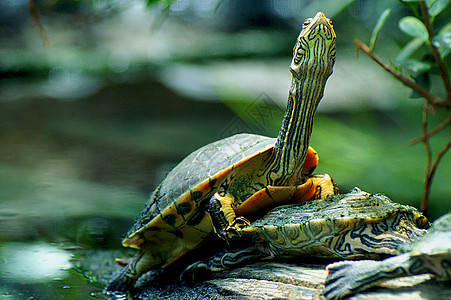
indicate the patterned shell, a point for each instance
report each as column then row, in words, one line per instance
column 330, row 226
column 200, row 165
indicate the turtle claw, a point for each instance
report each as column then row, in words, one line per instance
column 114, row 295
column 122, row 262
column 348, row 277
column 241, row 222
column 232, row 232
column 194, row 272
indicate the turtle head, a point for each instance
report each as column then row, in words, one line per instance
column 314, row 51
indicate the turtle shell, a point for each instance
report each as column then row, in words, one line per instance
column 201, row 170
column 348, row 226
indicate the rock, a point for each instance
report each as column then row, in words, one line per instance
column 282, row 279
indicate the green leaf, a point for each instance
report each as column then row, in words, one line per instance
column 446, row 28
column 409, row 49
column 443, row 40
column 380, row 23
column 413, row 27
column 416, row 66
column 436, row 6
column 443, row 37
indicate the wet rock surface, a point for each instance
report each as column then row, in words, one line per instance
column 282, row 279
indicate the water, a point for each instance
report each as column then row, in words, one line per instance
column 39, row 270
column 74, row 175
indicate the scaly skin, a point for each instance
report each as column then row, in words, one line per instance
column 350, row 226
column 430, row 253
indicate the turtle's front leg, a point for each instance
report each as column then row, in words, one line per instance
column 316, row 187
column 223, row 217
column 225, row 259
column 346, row 278
column 324, row 185
column 228, row 221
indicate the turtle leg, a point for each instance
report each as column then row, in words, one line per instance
column 225, row 222
column 228, row 221
column 310, row 163
column 346, row 278
column 324, row 184
column 316, row 187
column 225, row 259
column 118, row 287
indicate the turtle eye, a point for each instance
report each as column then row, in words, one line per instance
column 306, row 23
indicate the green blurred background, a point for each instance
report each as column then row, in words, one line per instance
column 91, row 122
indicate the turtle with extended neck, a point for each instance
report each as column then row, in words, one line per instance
column 223, row 185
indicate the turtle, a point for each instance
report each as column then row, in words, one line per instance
column 225, row 185
column 430, row 253
column 356, row 225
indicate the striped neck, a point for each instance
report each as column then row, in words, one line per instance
column 294, row 136
column 312, row 64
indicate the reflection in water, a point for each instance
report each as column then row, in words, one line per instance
column 33, row 262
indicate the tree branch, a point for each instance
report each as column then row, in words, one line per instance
column 35, row 18
column 430, row 98
column 438, row 59
column 432, row 173
column 427, row 177
column 432, row 132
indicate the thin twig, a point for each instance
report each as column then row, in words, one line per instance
column 432, row 132
column 432, row 173
column 438, row 59
column 430, row 98
column 427, row 181
column 35, row 17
